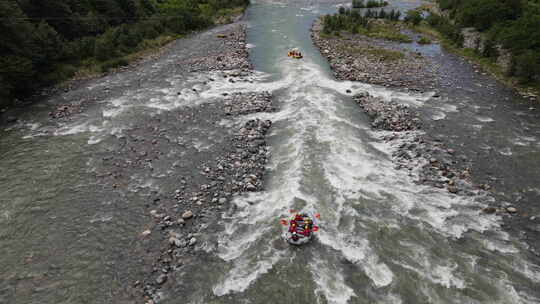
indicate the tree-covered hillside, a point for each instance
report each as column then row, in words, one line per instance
column 44, row 42
column 513, row 23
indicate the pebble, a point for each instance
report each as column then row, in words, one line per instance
column 511, row 210
column 187, row 215
column 192, row 241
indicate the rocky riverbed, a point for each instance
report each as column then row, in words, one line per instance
column 419, row 144
column 428, row 158
column 233, row 166
column 374, row 61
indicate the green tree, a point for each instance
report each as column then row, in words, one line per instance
column 414, row 17
column 527, row 66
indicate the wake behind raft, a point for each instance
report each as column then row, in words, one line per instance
column 300, row 228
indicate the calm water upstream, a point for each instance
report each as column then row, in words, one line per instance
column 66, row 237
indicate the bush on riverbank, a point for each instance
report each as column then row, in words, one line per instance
column 369, row 4
column 46, row 42
column 424, row 40
column 354, row 22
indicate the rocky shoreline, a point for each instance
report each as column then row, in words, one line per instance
column 373, row 61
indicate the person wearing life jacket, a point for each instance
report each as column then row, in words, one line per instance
column 292, row 226
column 307, row 231
column 295, row 222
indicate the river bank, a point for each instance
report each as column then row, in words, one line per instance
column 374, row 61
column 425, row 139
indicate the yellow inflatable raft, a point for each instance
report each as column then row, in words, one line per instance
column 295, row 54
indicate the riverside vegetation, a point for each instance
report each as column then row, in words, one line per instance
column 354, row 22
column 368, row 4
column 512, row 24
column 46, row 42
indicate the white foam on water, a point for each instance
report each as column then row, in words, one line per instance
column 101, row 217
column 520, row 140
column 330, row 282
column 246, row 271
column 201, row 145
column 506, row 151
column 477, row 127
column 113, row 112
column 500, row 246
column 438, row 116
column 442, row 272
column 443, row 275
column 484, row 119
column 94, row 140
column 32, row 126
column 448, row 108
column 77, row 129
column 357, row 251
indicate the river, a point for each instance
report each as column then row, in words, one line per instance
column 69, row 238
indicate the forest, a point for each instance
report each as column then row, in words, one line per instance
column 46, row 42
column 515, row 24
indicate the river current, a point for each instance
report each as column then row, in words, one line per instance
column 383, row 238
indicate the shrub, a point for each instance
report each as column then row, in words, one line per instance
column 113, row 63
column 527, row 66
column 358, row 4
column 414, row 17
column 424, row 40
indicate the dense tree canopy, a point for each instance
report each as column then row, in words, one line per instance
column 44, row 41
column 513, row 23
